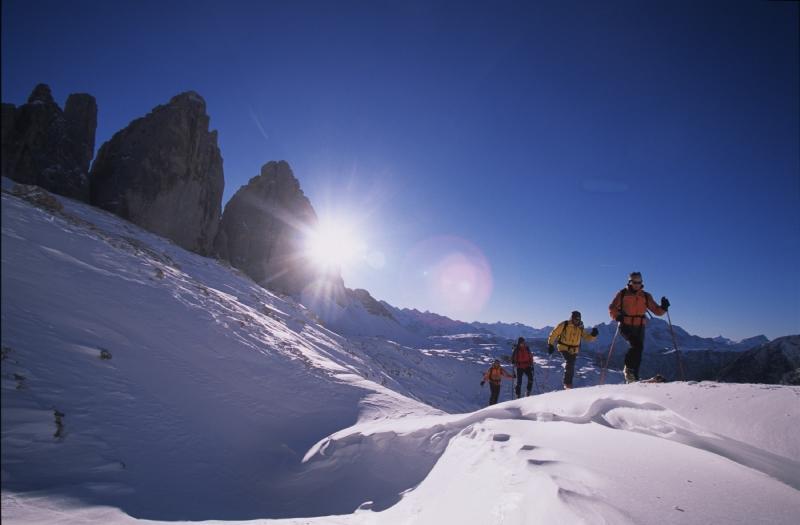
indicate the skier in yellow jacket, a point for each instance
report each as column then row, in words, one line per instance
column 568, row 335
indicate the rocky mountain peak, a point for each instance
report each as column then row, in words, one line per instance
column 41, row 93
column 47, row 147
column 164, row 173
column 263, row 231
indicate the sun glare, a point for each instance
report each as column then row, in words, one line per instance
column 334, row 244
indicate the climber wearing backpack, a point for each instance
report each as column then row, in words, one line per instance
column 522, row 359
column 568, row 335
column 495, row 376
column 629, row 308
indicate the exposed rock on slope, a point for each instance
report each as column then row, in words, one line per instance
column 164, row 173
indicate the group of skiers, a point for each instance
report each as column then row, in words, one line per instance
column 628, row 308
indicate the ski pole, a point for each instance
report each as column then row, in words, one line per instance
column 608, row 359
column 675, row 344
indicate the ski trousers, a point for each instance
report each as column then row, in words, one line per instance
column 495, row 392
column 528, row 371
column 635, row 337
column 569, row 369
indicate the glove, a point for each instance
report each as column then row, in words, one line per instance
column 550, row 349
column 619, row 318
column 595, row 332
column 664, row 303
column 483, row 382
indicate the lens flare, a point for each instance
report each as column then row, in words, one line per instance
column 454, row 273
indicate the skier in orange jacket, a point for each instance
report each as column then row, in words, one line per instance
column 629, row 308
column 495, row 376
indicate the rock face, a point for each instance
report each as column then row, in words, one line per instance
column 48, row 147
column 369, row 303
column 164, row 173
column 777, row 362
column 263, row 232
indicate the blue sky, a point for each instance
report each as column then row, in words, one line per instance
column 503, row 161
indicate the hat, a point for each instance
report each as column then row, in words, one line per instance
column 521, row 340
column 496, row 362
column 576, row 313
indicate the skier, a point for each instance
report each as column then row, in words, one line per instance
column 629, row 308
column 522, row 360
column 495, row 376
column 568, row 335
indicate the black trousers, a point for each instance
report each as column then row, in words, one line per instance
column 569, row 370
column 495, row 392
column 528, row 372
column 635, row 337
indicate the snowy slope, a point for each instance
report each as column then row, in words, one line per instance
column 222, row 401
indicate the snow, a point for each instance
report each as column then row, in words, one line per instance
column 222, row 402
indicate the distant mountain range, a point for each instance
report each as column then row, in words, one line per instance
column 700, row 358
column 368, row 316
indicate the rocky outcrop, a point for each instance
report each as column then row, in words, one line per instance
column 369, row 303
column 776, row 362
column 81, row 114
column 263, row 231
column 48, row 147
column 164, row 173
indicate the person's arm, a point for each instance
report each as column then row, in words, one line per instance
column 555, row 333
column 615, row 308
column 653, row 306
column 589, row 336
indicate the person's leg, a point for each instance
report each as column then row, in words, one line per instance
column 634, row 354
column 518, row 388
column 529, row 373
column 495, row 392
column 637, row 341
column 569, row 370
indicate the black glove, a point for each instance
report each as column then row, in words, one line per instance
column 595, row 332
column 550, row 349
column 664, row 303
column 620, row 317
column 482, row 383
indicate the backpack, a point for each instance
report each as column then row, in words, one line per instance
column 521, row 357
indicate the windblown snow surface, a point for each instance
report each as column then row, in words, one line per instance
column 145, row 384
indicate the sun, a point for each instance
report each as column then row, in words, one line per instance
column 334, row 244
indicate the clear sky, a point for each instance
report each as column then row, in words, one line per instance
column 501, row 160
